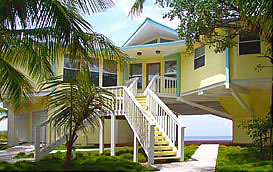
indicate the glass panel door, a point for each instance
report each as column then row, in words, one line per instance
column 153, row 69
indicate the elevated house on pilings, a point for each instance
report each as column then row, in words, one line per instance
column 161, row 82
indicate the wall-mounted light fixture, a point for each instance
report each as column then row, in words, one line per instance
column 157, row 51
column 139, row 53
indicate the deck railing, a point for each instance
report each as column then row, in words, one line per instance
column 164, row 117
column 126, row 104
column 164, row 86
column 45, row 143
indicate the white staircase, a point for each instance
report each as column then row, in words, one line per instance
column 154, row 125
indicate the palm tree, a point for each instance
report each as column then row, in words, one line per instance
column 34, row 34
column 79, row 104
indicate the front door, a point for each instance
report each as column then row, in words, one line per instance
column 153, row 69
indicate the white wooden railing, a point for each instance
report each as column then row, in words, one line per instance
column 167, row 121
column 133, row 86
column 126, row 104
column 45, row 143
column 164, row 86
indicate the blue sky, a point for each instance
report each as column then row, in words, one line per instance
column 116, row 25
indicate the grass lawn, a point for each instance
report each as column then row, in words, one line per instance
column 236, row 158
column 89, row 161
column 3, row 147
column 3, row 139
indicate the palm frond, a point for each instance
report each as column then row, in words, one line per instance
column 14, row 84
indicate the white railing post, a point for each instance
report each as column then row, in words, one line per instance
column 113, row 134
column 37, row 143
column 181, row 142
column 151, row 145
column 101, row 136
column 135, row 159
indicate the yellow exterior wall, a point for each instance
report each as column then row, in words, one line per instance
column 213, row 71
column 243, row 66
column 257, row 100
column 125, row 134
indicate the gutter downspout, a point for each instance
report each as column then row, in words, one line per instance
column 227, row 62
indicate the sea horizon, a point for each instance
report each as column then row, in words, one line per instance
column 208, row 137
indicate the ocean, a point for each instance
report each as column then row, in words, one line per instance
column 208, row 137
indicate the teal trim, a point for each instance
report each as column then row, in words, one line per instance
column 135, row 47
column 148, row 20
column 178, row 74
column 227, row 63
column 172, row 56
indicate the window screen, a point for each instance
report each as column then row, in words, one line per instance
column 110, row 76
column 136, row 71
column 170, row 68
column 199, row 57
column 249, row 43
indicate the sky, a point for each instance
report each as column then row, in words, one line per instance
column 116, row 25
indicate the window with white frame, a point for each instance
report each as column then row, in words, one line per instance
column 136, row 72
column 170, row 68
column 71, row 68
column 110, row 75
column 199, row 57
column 249, row 43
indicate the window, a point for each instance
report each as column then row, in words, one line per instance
column 110, row 76
column 249, row 43
column 136, row 71
column 199, row 57
column 151, row 42
column 72, row 68
column 165, row 40
column 170, row 69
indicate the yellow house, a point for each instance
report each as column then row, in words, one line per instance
column 161, row 82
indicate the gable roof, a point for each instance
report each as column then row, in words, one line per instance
column 149, row 29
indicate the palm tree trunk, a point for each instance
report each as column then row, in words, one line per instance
column 68, row 160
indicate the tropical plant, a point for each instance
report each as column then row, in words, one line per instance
column 3, row 114
column 260, row 131
column 79, row 105
column 34, row 34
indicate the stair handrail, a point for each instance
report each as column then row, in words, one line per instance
column 133, row 86
column 139, row 121
column 165, row 118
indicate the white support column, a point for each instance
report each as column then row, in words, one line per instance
column 100, row 72
column 113, row 134
column 30, row 126
column 12, row 140
column 151, row 145
column 37, row 143
column 135, row 149
column 181, row 143
column 101, row 144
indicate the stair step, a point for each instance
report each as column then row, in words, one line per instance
column 156, row 128
column 161, row 143
column 158, row 133
column 141, row 98
column 165, row 153
column 168, row 157
column 160, row 137
column 169, row 148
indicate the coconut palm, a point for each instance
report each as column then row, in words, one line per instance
column 34, row 34
column 79, row 104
